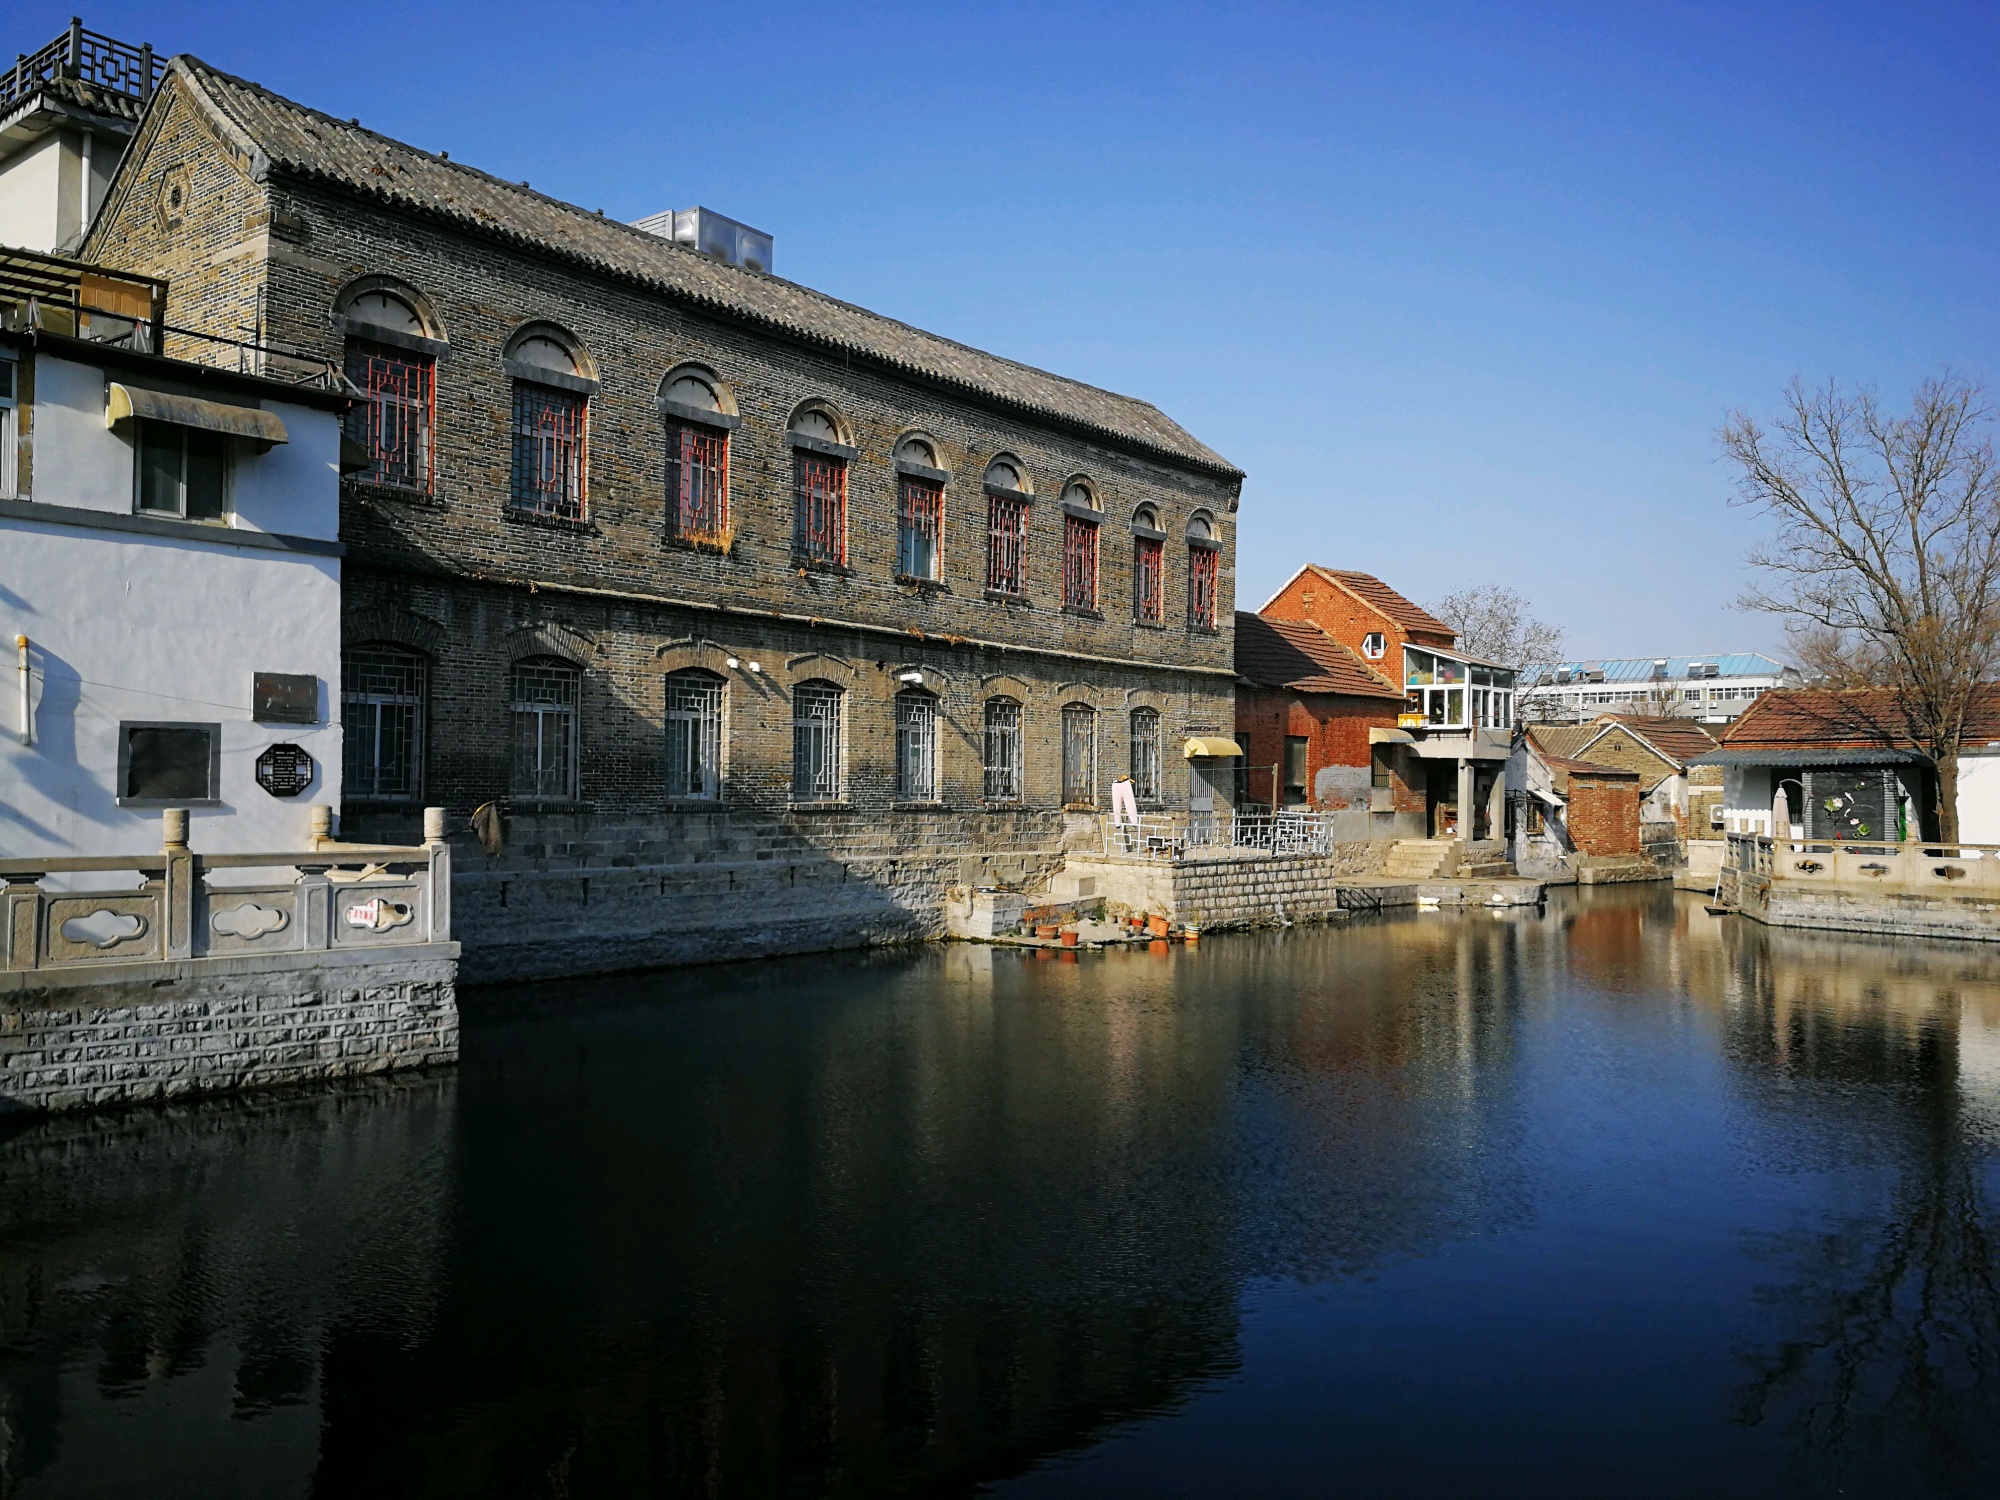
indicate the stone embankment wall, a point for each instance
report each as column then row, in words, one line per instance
column 1971, row 917
column 142, row 1031
column 583, row 896
column 1243, row 890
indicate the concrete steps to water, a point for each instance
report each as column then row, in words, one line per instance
column 1416, row 859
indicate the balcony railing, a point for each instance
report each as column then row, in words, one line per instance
column 337, row 897
column 117, row 67
column 1179, row 836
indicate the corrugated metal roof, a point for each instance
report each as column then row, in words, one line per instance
column 1640, row 669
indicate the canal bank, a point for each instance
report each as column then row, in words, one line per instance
column 1413, row 1199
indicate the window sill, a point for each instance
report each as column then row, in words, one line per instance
column 1001, row 596
column 217, row 523
column 585, row 527
column 1082, row 612
column 368, row 489
column 1079, row 807
column 691, row 804
column 1204, row 630
column 547, row 804
column 821, row 565
column 1002, row 804
column 1150, row 624
column 820, row 807
column 918, row 805
column 714, row 547
column 922, row 585
column 157, row 802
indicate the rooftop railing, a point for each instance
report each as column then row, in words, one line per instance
column 115, row 66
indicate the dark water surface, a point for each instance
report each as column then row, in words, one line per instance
column 1618, row 1199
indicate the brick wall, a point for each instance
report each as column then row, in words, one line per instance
column 1335, row 727
column 1603, row 816
column 1347, row 619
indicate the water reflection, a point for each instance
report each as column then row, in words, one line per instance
column 923, row 1221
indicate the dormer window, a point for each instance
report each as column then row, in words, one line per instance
column 1374, row 645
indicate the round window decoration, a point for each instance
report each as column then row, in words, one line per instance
column 285, row 770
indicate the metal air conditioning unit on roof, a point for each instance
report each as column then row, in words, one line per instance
column 713, row 234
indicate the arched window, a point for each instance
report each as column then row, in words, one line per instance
column 916, row 747
column 1003, row 750
column 919, row 512
column 1080, row 525
column 1007, row 506
column 1149, row 567
column 382, row 722
column 385, row 359
column 551, row 427
column 819, row 489
column 694, row 734
column 1146, row 754
column 1079, row 755
column 697, row 500
column 545, row 690
column 1204, row 572
column 816, row 742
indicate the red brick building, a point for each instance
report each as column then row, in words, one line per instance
column 1318, row 729
column 1570, row 806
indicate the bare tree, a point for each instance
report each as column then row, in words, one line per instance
column 1494, row 625
column 1888, row 538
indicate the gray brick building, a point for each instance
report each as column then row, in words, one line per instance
column 689, row 570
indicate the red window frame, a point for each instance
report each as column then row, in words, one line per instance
column 551, row 452
column 819, row 497
column 1007, row 544
column 919, row 517
column 1203, row 568
column 698, row 485
column 1079, row 563
column 397, row 415
column 1149, row 578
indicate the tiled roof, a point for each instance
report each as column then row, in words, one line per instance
column 309, row 144
column 1300, row 656
column 1561, row 739
column 1640, row 668
column 1680, row 740
column 1854, row 719
column 1375, row 592
column 82, row 93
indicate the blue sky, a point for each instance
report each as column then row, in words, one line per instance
column 1465, row 290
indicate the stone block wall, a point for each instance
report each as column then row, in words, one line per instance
column 74, row 1038
column 1247, row 890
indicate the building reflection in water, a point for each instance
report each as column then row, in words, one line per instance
column 917, row 1221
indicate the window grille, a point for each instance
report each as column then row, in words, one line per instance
column 694, row 735
column 1079, row 563
column 392, row 422
column 919, row 527
column 1149, row 579
column 1079, row 754
column 1146, row 754
column 1003, row 750
column 1202, row 568
column 698, row 485
column 1379, row 768
column 382, row 722
column 819, row 493
column 916, row 747
column 549, row 469
column 1007, row 544
column 545, row 695
column 816, row 743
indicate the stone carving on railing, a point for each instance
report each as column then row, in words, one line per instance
column 332, row 896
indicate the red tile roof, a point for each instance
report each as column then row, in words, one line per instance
column 1680, row 740
column 1300, row 656
column 1547, row 739
column 1850, row 719
column 1378, row 595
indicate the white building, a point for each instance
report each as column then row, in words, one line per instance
column 169, row 579
column 66, row 112
column 1713, row 689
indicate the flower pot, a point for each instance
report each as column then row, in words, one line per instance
column 1069, row 937
column 1157, row 926
column 1047, row 932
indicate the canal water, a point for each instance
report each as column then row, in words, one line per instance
column 1614, row 1198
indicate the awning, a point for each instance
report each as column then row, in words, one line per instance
column 1203, row 746
column 251, row 422
column 1887, row 755
column 1390, row 737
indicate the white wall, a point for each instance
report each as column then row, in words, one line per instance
column 129, row 627
column 1979, row 799
column 31, row 195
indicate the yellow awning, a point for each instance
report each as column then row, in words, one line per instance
column 1203, row 746
column 250, row 422
column 1389, row 737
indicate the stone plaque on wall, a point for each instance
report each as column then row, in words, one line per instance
column 285, row 698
